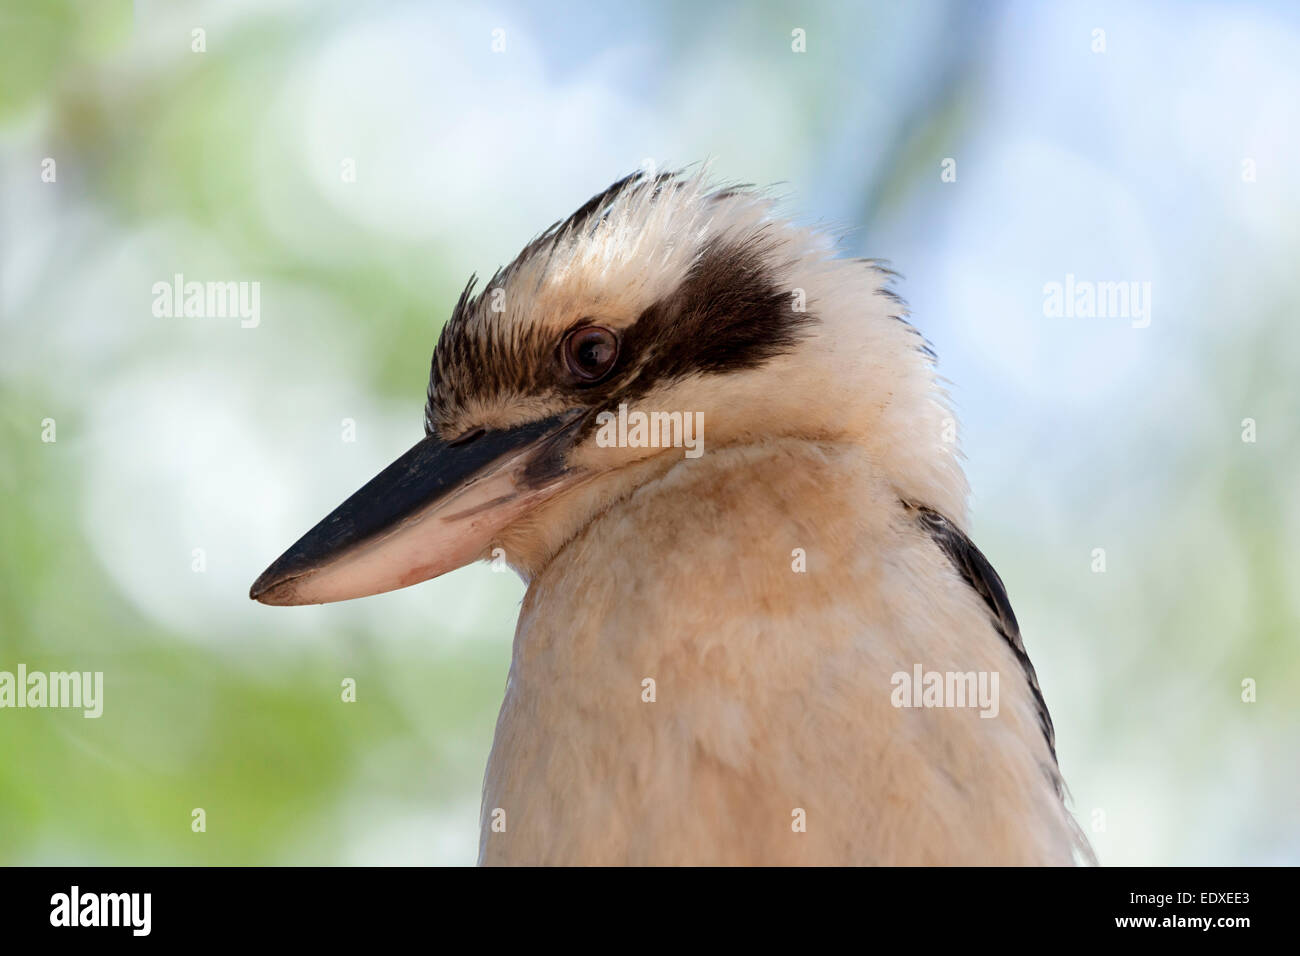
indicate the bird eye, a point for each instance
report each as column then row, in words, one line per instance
column 589, row 352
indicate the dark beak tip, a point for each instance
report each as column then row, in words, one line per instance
column 272, row 587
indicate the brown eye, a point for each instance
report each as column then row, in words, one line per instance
column 590, row 352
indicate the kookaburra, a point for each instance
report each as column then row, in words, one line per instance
column 755, row 652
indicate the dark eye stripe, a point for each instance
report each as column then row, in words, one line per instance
column 728, row 314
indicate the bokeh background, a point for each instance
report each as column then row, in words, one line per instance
column 1170, row 157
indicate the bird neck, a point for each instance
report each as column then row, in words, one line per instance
column 711, row 656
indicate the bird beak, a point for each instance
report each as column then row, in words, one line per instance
column 433, row 510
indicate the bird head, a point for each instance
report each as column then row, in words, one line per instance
column 663, row 318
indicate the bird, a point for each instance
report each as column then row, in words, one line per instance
column 739, row 646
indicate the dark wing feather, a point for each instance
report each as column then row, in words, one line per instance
column 975, row 569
